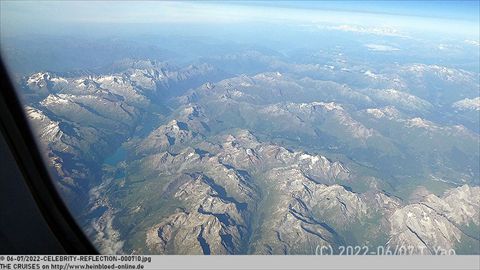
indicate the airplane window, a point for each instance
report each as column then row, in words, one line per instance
column 255, row 128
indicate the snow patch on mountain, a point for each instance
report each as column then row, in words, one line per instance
column 468, row 104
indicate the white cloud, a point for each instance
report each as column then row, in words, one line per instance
column 472, row 42
column 381, row 31
column 381, row 48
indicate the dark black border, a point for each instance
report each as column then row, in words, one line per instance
column 21, row 141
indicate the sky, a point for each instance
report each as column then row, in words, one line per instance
column 50, row 17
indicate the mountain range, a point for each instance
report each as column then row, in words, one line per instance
column 250, row 153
